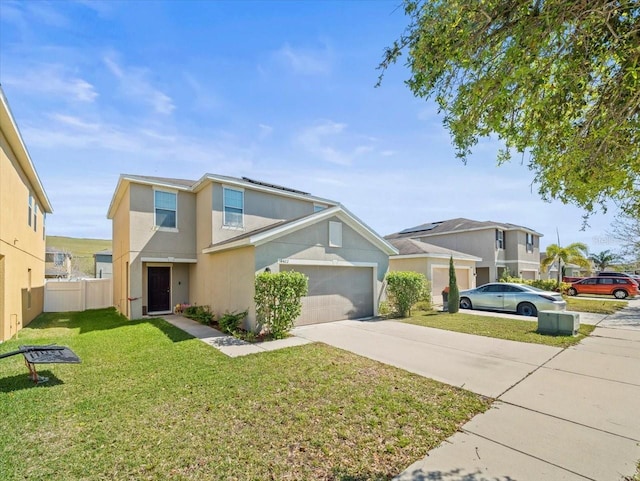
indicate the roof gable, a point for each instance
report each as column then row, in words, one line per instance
column 279, row 229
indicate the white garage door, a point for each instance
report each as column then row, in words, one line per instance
column 335, row 293
column 440, row 279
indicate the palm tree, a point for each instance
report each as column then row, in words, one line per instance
column 604, row 259
column 572, row 254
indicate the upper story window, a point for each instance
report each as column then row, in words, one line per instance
column 35, row 218
column 166, row 209
column 319, row 207
column 499, row 239
column 233, row 207
column 29, row 220
column 529, row 242
column 335, row 234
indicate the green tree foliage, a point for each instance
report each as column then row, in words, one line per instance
column 277, row 297
column 555, row 80
column 603, row 259
column 404, row 289
column 572, row 254
column 454, row 293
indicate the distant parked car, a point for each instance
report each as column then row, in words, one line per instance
column 618, row 287
column 506, row 296
column 618, row 274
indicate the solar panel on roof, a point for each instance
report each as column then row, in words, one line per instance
column 274, row 186
column 421, row 228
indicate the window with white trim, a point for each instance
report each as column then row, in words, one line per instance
column 319, row 207
column 166, row 209
column 335, row 234
column 35, row 218
column 529, row 242
column 499, row 239
column 233, row 207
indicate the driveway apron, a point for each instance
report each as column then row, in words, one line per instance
column 569, row 414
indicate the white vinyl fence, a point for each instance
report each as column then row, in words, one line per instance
column 64, row 296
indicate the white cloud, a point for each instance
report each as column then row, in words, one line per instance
column 53, row 80
column 305, row 61
column 134, row 84
column 330, row 142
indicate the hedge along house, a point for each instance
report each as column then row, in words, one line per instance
column 433, row 262
column 23, row 205
column 202, row 242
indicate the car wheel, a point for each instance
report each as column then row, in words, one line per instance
column 465, row 303
column 572, row 292
column 527, row 309
column 620, row 294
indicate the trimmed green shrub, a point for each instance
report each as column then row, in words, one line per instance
column 277, row 297
column 404, row 289
column 229, row 322
column 454, row 294
column 384, row 309
column 201, row 314
column 544, row 284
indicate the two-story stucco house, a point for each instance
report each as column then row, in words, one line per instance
column 23, row 205
column 202, row 242
column 499, row 245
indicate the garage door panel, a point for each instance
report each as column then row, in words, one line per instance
column 440, row 279
column 335, row 293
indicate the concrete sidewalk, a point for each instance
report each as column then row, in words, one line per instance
column 577, row 417
column 571, row 414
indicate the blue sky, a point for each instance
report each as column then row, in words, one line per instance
column 278, row 91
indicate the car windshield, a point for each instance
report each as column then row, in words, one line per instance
column 531, row 288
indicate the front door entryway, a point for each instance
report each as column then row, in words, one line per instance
column 159, row 289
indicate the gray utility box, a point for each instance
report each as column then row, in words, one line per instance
column 559, row 322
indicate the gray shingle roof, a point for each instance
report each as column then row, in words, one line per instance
column 455, row 225
column 407, row 246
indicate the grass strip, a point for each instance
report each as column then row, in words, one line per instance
column 497, row 327
column 595, row 306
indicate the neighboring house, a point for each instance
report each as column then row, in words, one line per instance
column 570, row 270
column 103, row 261
column 499, row 245
column 203, row 242
column 23, row 205
column 57, row 264
column 433, row 262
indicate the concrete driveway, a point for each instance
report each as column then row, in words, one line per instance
column 571, row 414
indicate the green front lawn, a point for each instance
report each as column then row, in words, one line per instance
column 150, row 402
column 498, row 327
column 594, row 305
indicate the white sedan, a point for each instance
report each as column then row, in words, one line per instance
column 506, row 296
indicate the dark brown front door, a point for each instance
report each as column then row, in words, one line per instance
column 159, row 288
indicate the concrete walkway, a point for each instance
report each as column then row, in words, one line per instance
column 226, row 344
column 571, row 414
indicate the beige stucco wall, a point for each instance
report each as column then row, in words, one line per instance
column 225, row 282
column 21, row 247
column 482, row 243
column 260, row 209
column 121, row 253
column 425, row 266
column 135, row 237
